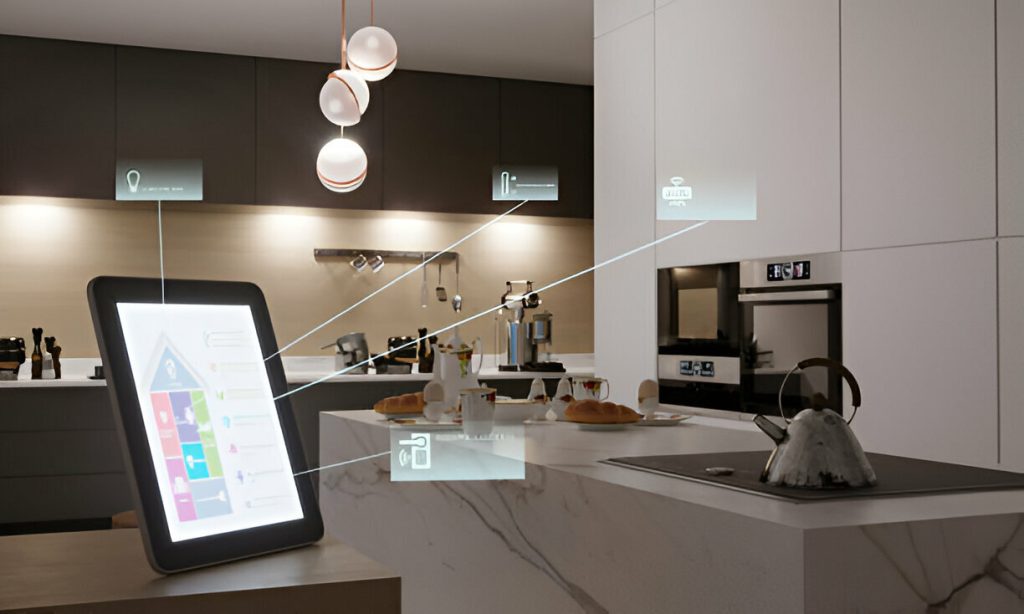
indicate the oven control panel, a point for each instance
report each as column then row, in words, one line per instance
column 788, row 271
column 713, row 369
column 700, row 368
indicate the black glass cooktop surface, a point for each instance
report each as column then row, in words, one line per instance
column 897, row 475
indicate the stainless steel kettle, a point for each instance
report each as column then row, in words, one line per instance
column 818, row 448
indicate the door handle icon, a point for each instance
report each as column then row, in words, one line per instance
column 417, row 454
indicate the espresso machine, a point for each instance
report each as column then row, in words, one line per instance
column 526, row 338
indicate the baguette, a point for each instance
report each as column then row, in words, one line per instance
column 402, row 404
column 589, row 411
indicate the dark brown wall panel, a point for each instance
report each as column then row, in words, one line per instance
column 440, row 142
column 291, row 130
column 56, row 118
column 177, row 104
column 550, row 123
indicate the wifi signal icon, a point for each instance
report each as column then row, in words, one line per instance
column 404, row 457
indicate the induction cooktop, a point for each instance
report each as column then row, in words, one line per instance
column 897, row 475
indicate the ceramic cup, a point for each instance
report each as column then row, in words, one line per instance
column 477, row 410
column 649, row 408
column 596, row 388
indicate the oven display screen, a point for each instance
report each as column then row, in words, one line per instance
column 785, row 271
column 701, row 368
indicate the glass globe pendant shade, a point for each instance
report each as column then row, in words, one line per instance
column 373, row 53
column 344, row 97
column 341, row 165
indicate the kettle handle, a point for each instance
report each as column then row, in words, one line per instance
column 830, row 364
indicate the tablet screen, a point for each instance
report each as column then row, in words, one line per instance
column 210, row 418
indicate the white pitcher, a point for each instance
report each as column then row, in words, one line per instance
column 456, row 368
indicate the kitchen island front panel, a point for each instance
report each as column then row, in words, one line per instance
column 578, row 535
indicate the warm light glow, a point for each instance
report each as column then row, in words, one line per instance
column 341, row 165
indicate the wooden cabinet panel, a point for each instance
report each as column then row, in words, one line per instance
column 918, row 122
column 552, row 124
column 441, row 137
column 291, row 130
column 56, row 118
column 747, row 109
column 176, row 104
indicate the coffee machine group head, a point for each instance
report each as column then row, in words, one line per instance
column 525, row 339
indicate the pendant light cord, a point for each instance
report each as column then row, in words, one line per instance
column 160, row 237
column 372, row 3
column 343, row 36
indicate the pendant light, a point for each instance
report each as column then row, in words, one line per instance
column 341, row 164
column 372, row 52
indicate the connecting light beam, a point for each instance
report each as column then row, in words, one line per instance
column 497, row 307
column 348, row 462
column 396, row 280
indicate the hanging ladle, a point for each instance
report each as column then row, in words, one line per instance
column 457, row 299
column 442, row 294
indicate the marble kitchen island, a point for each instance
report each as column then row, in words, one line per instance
column 581, row 536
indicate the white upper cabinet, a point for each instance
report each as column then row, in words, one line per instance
column 918, row 121
column 625, row 323
column 919, row 333
column 612, row 14
column 1010, row 62
column 747, row 107
column 1011, row 351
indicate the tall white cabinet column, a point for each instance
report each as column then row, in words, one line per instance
column 919, row 332
column 1011, row 351
column 747, row 92
column 1010, row 80
column 918, row 118
column 625, row 293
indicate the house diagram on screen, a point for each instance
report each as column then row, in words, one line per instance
column 179, row 405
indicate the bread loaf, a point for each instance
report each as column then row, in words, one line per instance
column 590, row 411
column 402, row 404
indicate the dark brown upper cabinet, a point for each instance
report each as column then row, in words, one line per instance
column 440, row 142
column 178, row 104
column 56, row 118
column 291, row 130
column 552, row 124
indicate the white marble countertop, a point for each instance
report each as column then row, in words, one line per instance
column 559, row 446
column 303, row 370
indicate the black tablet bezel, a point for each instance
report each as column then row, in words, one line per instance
column 165, row 555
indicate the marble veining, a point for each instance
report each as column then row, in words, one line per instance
column 576, row 536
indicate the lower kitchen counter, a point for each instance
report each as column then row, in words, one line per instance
column 581, row 536
column 60, row 458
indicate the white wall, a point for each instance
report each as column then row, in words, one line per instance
column 886, row 137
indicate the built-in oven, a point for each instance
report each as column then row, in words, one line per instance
column 729, row 333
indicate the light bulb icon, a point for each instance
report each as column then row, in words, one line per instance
column 132, row 177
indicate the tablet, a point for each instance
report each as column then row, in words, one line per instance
column 211, row 448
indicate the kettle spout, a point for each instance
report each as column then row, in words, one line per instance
column 776, row 432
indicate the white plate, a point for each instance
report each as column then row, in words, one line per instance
column 603, row 427
column 388, row 417
column 663, row 420
column 422, row 423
